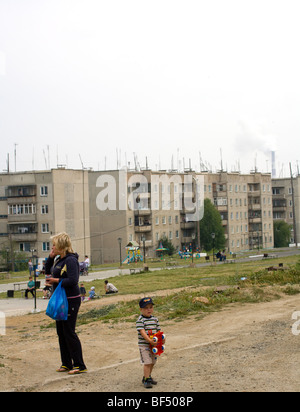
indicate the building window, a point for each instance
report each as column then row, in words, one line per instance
column 44, row 190
column 44, row 209
column 25, row 247
column 46, row 246
column 45, row 227
column 27, row 209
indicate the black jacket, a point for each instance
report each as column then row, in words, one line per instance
column 66, row 269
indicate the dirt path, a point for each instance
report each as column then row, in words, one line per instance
column 242, row 348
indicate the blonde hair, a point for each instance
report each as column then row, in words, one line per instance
column 62, row 241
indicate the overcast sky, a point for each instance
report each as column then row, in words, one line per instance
column 157, row 78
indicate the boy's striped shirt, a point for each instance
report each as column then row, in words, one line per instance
column 148, row 324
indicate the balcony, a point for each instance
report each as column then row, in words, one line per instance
column 22, row 218
column 255, row 219
column 187, row 225
column 280, row 209
column 143, row 229
column 254, row 206
column 142, row 212
column 254, row 193
column 24, row 237
column 20, row 191
column 23, row 232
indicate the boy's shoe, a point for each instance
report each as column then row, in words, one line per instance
column 147, row 383
column 153, row 382
column 150, row 379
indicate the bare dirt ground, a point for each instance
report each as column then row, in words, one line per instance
column 241, row 348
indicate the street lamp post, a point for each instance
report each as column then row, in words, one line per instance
column 120, row 245
column 193, row 237
column 144, row 247
column 213, row 236
column 35, row 263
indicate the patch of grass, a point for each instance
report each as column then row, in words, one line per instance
column 257, row 287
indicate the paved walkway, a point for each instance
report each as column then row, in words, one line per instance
column 16, row 306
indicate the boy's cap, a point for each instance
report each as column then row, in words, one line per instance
column 145, row 301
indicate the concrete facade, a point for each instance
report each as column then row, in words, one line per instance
column 35, row 205
column 99, row 208
column 244, row 202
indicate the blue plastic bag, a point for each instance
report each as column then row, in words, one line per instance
column 57, row 308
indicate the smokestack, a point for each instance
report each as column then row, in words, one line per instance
column 273, row 164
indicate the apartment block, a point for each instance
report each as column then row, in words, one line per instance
column 35, row 205
column 140, row 207
column 283, row 204
column 100, row 209
column 245, row 205
column 154, row 206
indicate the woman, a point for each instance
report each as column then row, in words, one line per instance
column 63, row 265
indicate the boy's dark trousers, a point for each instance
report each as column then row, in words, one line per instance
column 69, row 343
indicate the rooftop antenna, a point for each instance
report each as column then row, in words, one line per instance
column 82, row 166
column 15, row 152
column 7, row 164
column 48, row 149
column 273, row 160
column 221, row 160
column 134, row 158
column 45, row 159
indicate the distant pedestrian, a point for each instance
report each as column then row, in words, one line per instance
column 110, row 288
column 82, row 292
column 30, row 266
column 30, row 287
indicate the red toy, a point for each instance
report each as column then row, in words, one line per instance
column 158, row 338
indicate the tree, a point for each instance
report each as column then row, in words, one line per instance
column 282, row 233
column 211, row 223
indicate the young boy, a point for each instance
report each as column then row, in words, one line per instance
column 146, row 325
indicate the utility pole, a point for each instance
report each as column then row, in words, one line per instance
column 294, row 208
